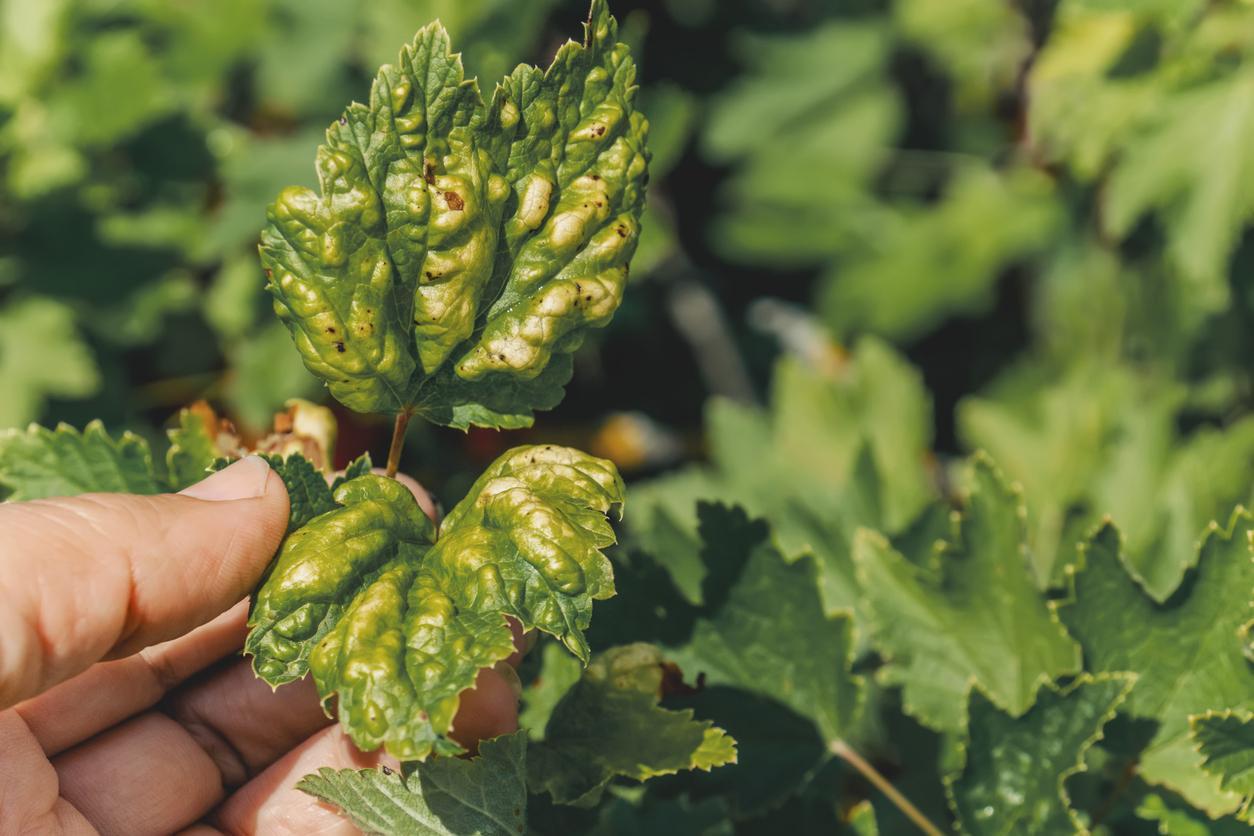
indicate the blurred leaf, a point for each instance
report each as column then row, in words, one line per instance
column 840, row 447
column 559, row 671
column 809, row 126
column 41, row 356
column 265, row 372
column 922, row 263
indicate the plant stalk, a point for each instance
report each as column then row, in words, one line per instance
column 398, row 442
column 843, row 751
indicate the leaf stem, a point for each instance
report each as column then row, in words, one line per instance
column 843, row 751
column 398, row 442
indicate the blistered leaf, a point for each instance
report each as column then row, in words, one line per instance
column 1226, row 741
column 39, row 462
column 458, row 251
column 395, row 623
column 484, row 796
column 974, row 618
column 1016, row 770
column 610, row 725
column 1189, row 652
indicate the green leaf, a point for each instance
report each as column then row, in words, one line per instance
column 763, row 627
column 38, row 463
column 842, row 446
column 396, row 623
column 483, row 796
column 610, row 725
column 42, row 355
column 1014, row 778
column 457, row 250
column 193, row 449
column 1226, row 742
column 1180, row 820
column 973, row 618
column 1188, row 652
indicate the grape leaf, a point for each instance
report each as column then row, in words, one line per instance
column 1226, row 742
column 396, row 623
column 975, row 619
column 763, row 628
column 193, row 446
column 41, row 355
column 483, row 796
column 38, row 462
column 1189, row 651
column 559, row 671
column 841, row 446
column 609, row 725
column 457, row 249
column 1016, row 769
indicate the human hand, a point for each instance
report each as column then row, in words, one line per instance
column 123, row 704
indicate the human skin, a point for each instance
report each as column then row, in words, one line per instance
column 124, row 705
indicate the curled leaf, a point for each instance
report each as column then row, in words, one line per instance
column 456, row 250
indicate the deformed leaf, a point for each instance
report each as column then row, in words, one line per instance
column 395, row 623
column 1014, row 777
column 484, row 796
column 458, row 251
column 1189, row 651
column 37, row 462
column 1226, row 741
column 978, row 619
column 610, row 725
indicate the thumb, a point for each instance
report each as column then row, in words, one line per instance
column 105, row 575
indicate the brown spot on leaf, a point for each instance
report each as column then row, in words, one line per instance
column 599, row 130
column 621, row 230
column 340, row 347
column 343, row 120
column 454, row 201
column 386, row 770
column 429, row 174
column 269, row 273
column 330, row 330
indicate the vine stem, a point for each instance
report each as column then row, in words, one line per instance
column 843, row 751
column 398, row 442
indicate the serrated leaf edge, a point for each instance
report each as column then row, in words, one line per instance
column 1129, row 678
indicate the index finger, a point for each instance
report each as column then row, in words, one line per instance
column 104, row 575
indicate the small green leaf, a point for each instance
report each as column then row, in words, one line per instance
column 396, row 624
column 559, row 671
column 610, row 725
column 1188, row 652
column 1226, row 741
column 483, row 796
column 193, row 449
column 977, row 618
column 459, row 251
column 39, row 462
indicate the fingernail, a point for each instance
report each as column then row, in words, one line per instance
column 245, row 479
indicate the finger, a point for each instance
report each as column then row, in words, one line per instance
column 109, row 692
column 270, row 803
column 145, row 776
column 179, row 762
column 29, row 802
column 241, row 722
column 107, row 574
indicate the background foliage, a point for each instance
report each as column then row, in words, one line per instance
column 881, row 236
